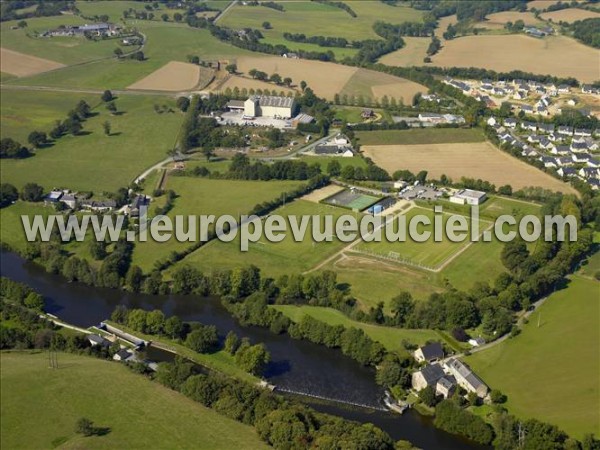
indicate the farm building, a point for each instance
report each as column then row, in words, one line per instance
column 427, row 376
column 269, row 106
column 446, row 386
column 429, row 353
column 465, row 377
column 469, row 197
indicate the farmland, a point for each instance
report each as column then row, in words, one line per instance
column 327, row 79
column 391, row 338
column 91, row 161
column 20, row 64
column 474, row 160
column 569, row 15
column 249, row 83
column 47, row 403
column 411, row 54
column 315, row 19
column 498, row 20
column 11, row 227
column 564, row 367
column 174, row 76
column 198, row 196
column 419, row 136
column 495, row 52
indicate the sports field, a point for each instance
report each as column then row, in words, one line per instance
column 474, row 160
column 90, row 161
column 21, row 65
column 559, row 357
column 428, row 254
column 420, row 136
column 40, row 407
column 197, row 196
column 352, row 200
column 390, row 337
column 274, row 258
column 496, row 52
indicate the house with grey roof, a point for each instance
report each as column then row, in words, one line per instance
column 427, row 376
column 429, row 353
column 465, row 377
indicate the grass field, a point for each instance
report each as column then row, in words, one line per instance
column 428, row 254
column 474, row 160
column 411, row 54
column 199, row 196
column 390, row 337
column 420, row 136
column 273, row 258
column 323, row 161
column 92, row 160
column 559, row 357
column 11, row 226
column 40, row 407
column 314, row 19
column 534, row 55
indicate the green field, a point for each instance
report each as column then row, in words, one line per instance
column 92, row 160
column 429, row 254
column 551, row 371
column 201, row 196
column 420, row 136
column 273, row 258
column 314, row 19
column 40, row 407
column 390, row 337
column 11, row 227
column 323, row 161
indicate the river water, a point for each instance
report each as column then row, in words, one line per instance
column 298, row 366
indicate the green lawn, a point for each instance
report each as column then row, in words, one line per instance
column 11, row 226
column 201, row 196
column 323, row 161
column 420, row 136
column 273, row 258
column 429, row 254
column 551, row 371
column 40, row 407
column 91, row 161
column 390, row 337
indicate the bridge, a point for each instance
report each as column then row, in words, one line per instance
column 330, row 399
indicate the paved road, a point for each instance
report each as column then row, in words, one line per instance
column 231, row 5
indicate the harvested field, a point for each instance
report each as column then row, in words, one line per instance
column 534, row 55
column 569, row 15
column 411, row 55
column 325, row 79
column 173, row 76
column 540, row 5
column 23, row 65
column 443, row 24
column 320, row 194
column 473, row 160
column 498, row 20
column 249, row 83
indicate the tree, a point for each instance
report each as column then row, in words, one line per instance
column 231, row 343
column 173, row 327
column 252, row 358
column 178, row 17
column 155, row 321
column 267, row 25
column 111, row 107
column 97, row 249
column 427, row 396
column 252, row 73
column 134, row 278
column 287, row 81
column 165, row 17
column 84, row 426
column 22, row 24
column 348, row 173
column 497, row 397
column 118, row 52
column 514, row 254
column 202, row 339
column 37, row 138
column 32, row 192
column 231, row 68
column 74, row 127
column 208, row 152
column 334, row 168
column 303, row 85
column 183, row 103
column 107, row 96
column 402, row 307
column 106, row 127
column 473, row 398
column 275, row 78
column 8, row 194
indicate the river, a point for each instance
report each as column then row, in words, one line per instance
column 299, row 366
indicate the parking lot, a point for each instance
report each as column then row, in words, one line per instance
column 424, row 192
column 237, row 118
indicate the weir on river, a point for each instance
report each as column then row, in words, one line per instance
column 329, row 399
